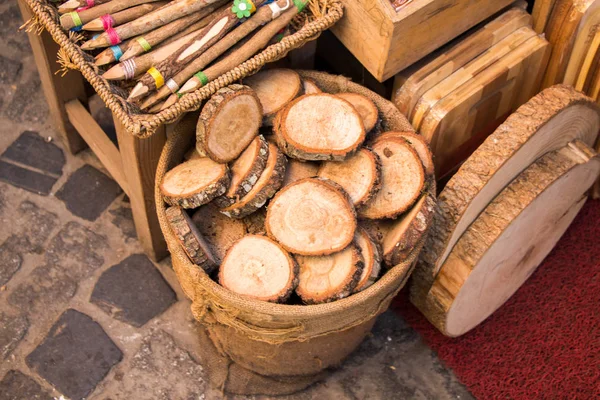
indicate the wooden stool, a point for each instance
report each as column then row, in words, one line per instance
column 132, row 165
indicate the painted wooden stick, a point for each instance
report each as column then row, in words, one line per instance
column 75, row 18
column 212, row 33
column 262, row 16
column 128, row 69
column 72, row 5
column 155, row 19
column 163, row 34
column 122, row 17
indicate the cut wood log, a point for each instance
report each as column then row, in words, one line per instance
column 547, row 122
column 259, row 268
column 192, row 242
column 311, row 217
column 122, row 17
column 219, row 231
column 371, row 259
column 229, row 121
column 505, row 244
column 365, row 107
column 310, row 87
column 455, row 125
column 195, row 182
column 376, row 228
column 407, row 231
column 275, row 88
column 297, row 170
column 245, row 172
column 418, row 143
column 319, row 127
column 359, row 175
column 328, row 278
column 268, row 184
column 412, row 83
column 402, row 179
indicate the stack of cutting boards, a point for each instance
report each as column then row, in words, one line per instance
column 457, row 96
column 505, row 209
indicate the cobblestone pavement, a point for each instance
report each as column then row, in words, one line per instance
column 85, row 314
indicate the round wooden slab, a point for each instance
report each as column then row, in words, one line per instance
column 275, row 88
column 218, row 230
column 371, row 258
column 319, row 127
column 310, row 87
column 510, row 238
column 547, row 122
column 418, row 143
column 257, row 267
column 359, row 175
column 366, row 108
column 311, row 217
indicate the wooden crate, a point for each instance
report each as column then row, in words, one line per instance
column 386, row 41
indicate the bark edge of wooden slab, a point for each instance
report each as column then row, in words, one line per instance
column 508, row 240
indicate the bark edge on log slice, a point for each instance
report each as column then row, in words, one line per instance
column 219, row 231
column 371, row 254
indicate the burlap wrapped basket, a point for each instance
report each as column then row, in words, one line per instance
column 319, row 16
column 255, row 347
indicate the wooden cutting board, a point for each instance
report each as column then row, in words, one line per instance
column 547, row 122
column 542, row 9
column 454, row 122
column 510, row 238
column 585, row 36
column 412, row 83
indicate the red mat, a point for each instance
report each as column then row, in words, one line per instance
column 544, row 343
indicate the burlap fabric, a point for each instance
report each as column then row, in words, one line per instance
column 319, row 16
column 255, row 347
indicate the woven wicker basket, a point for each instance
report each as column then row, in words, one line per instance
column 320, row 15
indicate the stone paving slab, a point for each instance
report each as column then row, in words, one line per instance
column 32, row 150
column 26, row 179
column 17, row 386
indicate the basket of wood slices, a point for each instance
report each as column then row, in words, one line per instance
column 294, row 208
column 151, row 61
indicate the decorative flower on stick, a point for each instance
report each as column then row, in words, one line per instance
column 243, row 8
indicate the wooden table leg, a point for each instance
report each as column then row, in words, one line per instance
column 140, row 158
column 58, row 90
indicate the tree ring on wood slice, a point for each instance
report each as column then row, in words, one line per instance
column 359, row 175
column 310, row 87
column 245, row 171
column 319, row 127
column 402, row 179
column 191, row 240
column 405, row 233
column 229, row 121
column 195, row 182
column 510, row 238
column 267, row 185
column 371, row 258
column 328, row 278
column 218, row 230
column 297, row 170
column 419, row 144
column 366, row 108
column 275, row 88
column 545, row 123
column 257, row 267
column 311, row 217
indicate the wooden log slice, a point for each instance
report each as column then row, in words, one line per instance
column 510, row 238
column 275, row 88
column 328, row 278
column 259, row 268
column 297, row 170
column 267, row 185
column 219, row 231
column 405, row 233
column 195, row 182
column 195, row 246
column 245, row 172
column 319, row 127
column 547, row 122
column 310, row 87
column 255, row 222
column 402, row 179
column 366, row 108
column 229, row 121
column 311, row 217
column 419, row 144
column 359, row 175
column 371, row 257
